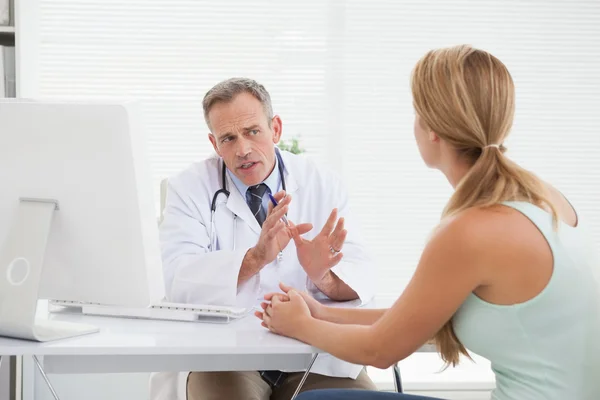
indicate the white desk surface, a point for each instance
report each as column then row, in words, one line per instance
column 129, row 336
column 140, row 345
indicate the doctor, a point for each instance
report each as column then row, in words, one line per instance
column 223, row 243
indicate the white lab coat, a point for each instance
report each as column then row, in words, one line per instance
column 195, row 275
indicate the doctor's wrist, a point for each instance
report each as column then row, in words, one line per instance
column 254, row 259
column 322, row 278
column 251, row 265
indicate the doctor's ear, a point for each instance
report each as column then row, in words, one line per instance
column 277, row 128
column 213, row 141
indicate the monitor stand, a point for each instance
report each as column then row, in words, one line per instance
column 21, row 263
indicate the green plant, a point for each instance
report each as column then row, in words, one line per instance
column 293, row 147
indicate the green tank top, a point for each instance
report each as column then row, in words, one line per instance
column 547, row 348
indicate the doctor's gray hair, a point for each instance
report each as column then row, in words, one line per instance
column 225, row 91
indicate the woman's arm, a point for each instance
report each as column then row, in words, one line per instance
column 356, row 316
column 338, row 315
column 449, row 270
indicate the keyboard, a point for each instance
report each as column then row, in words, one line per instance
column 233, row 312
column 161, row 311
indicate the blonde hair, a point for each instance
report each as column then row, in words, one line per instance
column 467, row 97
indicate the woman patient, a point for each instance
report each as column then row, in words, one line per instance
column 508, row 274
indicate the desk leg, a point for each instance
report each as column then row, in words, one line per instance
column 305, row 376
column 39, row 365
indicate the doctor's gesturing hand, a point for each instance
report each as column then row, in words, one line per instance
column 319, row 255
column 274, row 237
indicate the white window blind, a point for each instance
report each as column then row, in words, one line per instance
column 169, row 53
column 552, row 49
column 338, row 73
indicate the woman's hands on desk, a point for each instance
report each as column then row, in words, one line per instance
column 317, row 309
column 284, row 313
column 299, row 316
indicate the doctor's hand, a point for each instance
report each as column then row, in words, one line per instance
column 319, row 255
column 285, row 316
column 275, row 235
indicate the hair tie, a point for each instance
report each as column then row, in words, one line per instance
column 492, row 145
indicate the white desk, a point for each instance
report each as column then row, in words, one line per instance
column 138, row 345
column 130, row 345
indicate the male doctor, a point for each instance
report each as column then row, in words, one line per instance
column 253, row 249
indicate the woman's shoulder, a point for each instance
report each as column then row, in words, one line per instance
column 476, row 222
column 488, row 233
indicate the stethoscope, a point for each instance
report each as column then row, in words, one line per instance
column 223, row 190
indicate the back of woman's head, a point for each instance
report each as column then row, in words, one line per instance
column 466, row 97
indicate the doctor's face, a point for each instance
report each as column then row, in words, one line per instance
column 244, row 137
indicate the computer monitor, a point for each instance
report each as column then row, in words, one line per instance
column 76, row 206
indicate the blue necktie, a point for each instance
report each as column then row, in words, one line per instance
column 255, row 198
